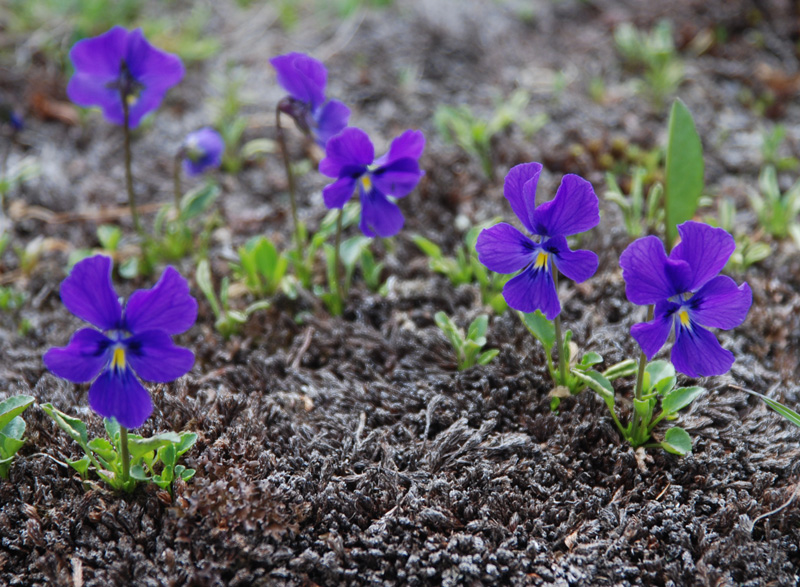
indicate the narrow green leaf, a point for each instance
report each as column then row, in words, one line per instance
column 477, row 330
column 198, row 200
column 540, row 328
column 621, row 369
column 12, row 407
column 784, row 411
column 428, row 247
column 677, row 441
column 72, row 426
column 14, row 429
column 81, row 465
column 591, row 358
column 599, row 384
column 677, row 399
column 486, row 357
column 683, row 183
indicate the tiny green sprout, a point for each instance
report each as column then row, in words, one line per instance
column 771, row 143
column 654, row 53
column 749, row 249
column 465, row 267
column 228, row 321
column 261, row 267
column 467, row 348
column 785, row 411
column 544, row 331
column 459, row 125
column 12, row 429
column 11, row 299
column 777, row 213
column 226, row 106
column 15, row 175
column 640, row 213
column 658, row 385
column 152, row 460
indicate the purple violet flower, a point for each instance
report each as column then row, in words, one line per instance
column 350, row 157
column 202, row 150
column 688, row 295
column 504, row 249
column 305, row 78
column 136, row 341
column 121, row 64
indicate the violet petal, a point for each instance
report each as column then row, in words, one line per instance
column 519, row 188
column 88, row 293
column 82, row 359
column 532, row 290
column 721, row 304
column 649, row 276
column 302, row 76
column 574, row 209
column 504, row 249
column 337, row 193
column 651, row 336
column 397, row 178
column 330, row 119
column 697, row 353
column 577, row 265
column 119, row 395
column 167, row 306
column 154, row 357
column 379, row 216
column 706, row 250
column 349, row 150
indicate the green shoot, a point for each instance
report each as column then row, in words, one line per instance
column 12, row 429
column 467, row 348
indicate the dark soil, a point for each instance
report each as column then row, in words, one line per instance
column 349, row 450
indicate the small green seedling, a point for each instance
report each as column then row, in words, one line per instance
column 658, row 386
column 261, row 267
column 777, row 213
column 749, row 249
column 228, row 321
column 654, row 54
column 12, row 429
column 152, row 460
column 544, row 331
column 770, row 146
column 467, row 348
column 458, row 124
column 639, row 213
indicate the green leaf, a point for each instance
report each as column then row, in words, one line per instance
column 591, row 358
column 9, row 445
column 659, row 375
column 187, row 474
column 168, row 456
column 540, row 328
column 677, row 399
column 203, row 278
column 599, row 384
column 428, row 247
column 784, row 411
column 103, row 449
column 486, row 357
column 139, row 447
column 72, row 426
column 198, row 200
column 677, row 441
column 81, row 465
column 12, row 407
column 683, row 184
column 477, row 330
column 14, row 429
column 186, row 442
column 621, row 369
column 138, row 473
column 109, row 236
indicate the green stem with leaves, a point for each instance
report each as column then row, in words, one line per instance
column 638, row 392
column 128, row 173
column 562, row 360
column 290, row 181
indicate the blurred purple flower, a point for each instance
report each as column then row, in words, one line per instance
column 202, row 150
column 136, row 341
column 305, row 78
column 504, row 249
column 121, row 65
column 688, row 295
column 350, row 157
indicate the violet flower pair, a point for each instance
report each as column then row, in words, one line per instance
column 687, row 293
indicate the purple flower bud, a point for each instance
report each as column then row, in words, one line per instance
column 305, row 78
column 202, row 150
column 121, row 65
column 130, row 342
column 350, row 157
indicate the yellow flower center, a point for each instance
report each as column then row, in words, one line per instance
column 684, row 318
column 118, row 360
column 541, row 260
column 366, row 183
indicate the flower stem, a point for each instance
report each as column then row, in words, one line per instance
column 176, row 183
column 336, row 254
column 128, row 174
column 562, row 360
column 638, row 391
column 125, row 455
column 290, row 181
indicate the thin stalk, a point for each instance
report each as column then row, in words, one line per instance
column 637, row 394
column 562, row 360
column 290, row 180
column 128, row 174
column 176, row 182
column 125, row 455
column 336, row 253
